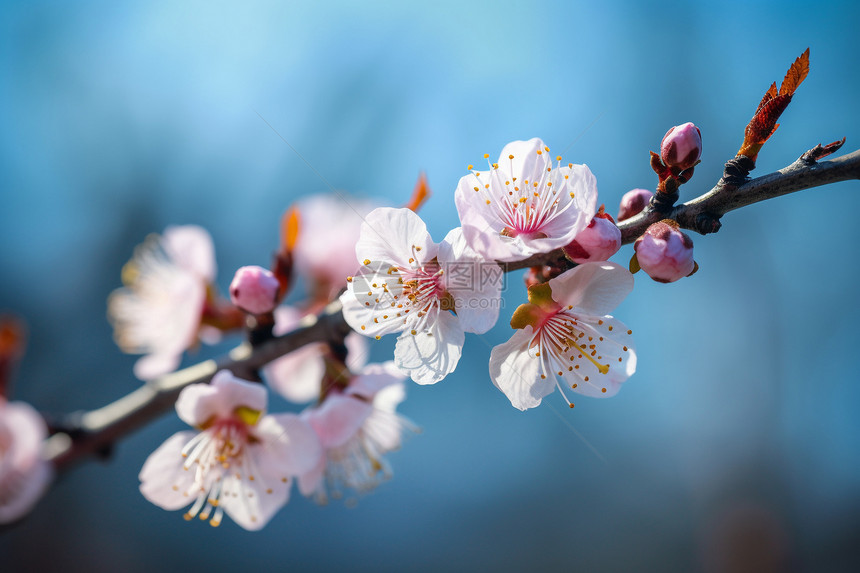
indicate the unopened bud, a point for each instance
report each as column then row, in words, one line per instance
column 633, row 203
column 681, row 147
column 254, row 290
column 664, row 252
column 597, row 242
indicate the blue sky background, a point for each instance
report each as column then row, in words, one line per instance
column 735, row 441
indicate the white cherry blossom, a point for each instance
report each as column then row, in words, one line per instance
column 565, row 332
column 431, row 293
column 158, row 312
column 357, row 427
column 24, row 474
column 239, row 461
column 522, row 205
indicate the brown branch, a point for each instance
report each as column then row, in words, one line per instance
column 703, row 213
column 95, row 431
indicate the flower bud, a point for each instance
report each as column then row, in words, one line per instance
column 254, row 290
column 681, row 147
column 597, row 242
column 633, row 203
column 664, row 252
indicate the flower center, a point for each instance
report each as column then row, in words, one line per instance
column 524, row 206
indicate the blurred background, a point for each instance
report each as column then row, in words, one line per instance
column 733, row 448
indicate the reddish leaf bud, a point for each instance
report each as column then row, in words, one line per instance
column 597, row 242
column 664, row 252
column 633, row 203
column 681, row 147
column 254, row 290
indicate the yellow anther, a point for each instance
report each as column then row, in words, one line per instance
column 469, row 167
column 366, row 261
column 486, row 156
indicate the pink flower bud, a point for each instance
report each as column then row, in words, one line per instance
column 254, row 290
column 633, row 202
column 664, row 252
column 682, row 146
column 597, row 242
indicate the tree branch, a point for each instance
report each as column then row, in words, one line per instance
column 703, row 213
column 94, row 432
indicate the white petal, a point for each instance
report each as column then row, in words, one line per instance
column 373, row 378
column 607, row 351
column 338, row 419
column 431, row 355
column 527, row 162
column 296, row 376
column 310, row 481
column 474, row 282
column 299, row 446
column 593, row 288
column 199, row 403
column 377, row 319
column 24, row 474
column 517, row 374
column 163, row 479
column 191, row 248
column 389, row 235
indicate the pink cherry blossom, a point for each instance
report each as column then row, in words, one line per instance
column 24, row 474
column 431, row 293
column 159, row 310
column 357, row 427
column 522, row 205
column 296, row 376
column 239, row 461
column 664, row 252
column 633, row 202
column 597, row 242
column 329, row 227
column 564, row 332
column 681, row 146
column 254, row 289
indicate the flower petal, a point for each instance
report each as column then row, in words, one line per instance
column 389, row 235
column 530, row 161
column 374, row 378
column 473, row 282
column 338, row 419
column 163, row 479
column 615, row 344
column 517, row 374
column 593, row 288
column 199, row 403
column 191, row 248
column 431, row 355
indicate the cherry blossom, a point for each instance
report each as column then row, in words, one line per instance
column 597, row 242
column 328, row 230
column 664, row 252
column 522, row 205
column 24, row 474
column 431, row 293
column 239, row 461
column 296, row 376
column 357, row 427
column 159, row 311
column 565, row 332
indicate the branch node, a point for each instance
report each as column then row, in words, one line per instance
column 812, row 156
column 707, row 223
column 663, row 202
column 737, row 171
